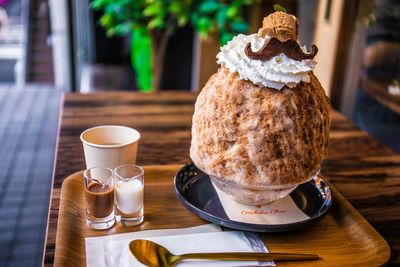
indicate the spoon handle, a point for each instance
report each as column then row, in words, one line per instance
column 243, row 256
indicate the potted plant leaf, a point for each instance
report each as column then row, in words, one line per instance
column 150, row 23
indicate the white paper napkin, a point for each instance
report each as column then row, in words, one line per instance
column 98, row 249
column 113, row 250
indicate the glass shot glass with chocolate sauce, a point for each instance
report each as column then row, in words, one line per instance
column 99, row 197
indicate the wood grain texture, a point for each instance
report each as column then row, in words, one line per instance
column 366, row 172
column 351, row 240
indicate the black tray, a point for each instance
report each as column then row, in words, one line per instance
column 196, row 192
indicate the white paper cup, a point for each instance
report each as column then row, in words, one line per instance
column 110, row 146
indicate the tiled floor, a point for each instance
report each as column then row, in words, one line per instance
column 28, row 132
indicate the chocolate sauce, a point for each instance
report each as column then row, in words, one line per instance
column 99, row 199
column 273, row 47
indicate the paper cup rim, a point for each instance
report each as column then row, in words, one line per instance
column 110, row 146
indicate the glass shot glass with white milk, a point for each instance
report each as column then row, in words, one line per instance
column 129, row 185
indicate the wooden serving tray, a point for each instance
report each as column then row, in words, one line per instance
column 341, row 238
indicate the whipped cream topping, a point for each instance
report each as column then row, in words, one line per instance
column 275, row 73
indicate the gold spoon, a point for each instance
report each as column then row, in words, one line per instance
column 154, row 255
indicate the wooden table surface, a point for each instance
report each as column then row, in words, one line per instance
column 365, row 171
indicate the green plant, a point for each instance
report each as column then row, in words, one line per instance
column 151, row 23
column 278, row 7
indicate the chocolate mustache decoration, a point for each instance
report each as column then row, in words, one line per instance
column 274, row 47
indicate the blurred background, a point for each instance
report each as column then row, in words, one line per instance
column 104, row 45
column 87, row 46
